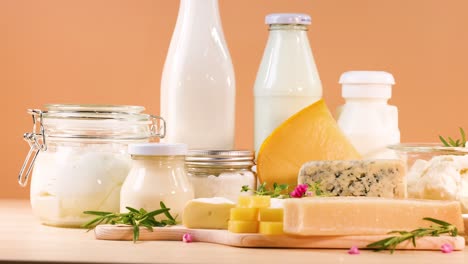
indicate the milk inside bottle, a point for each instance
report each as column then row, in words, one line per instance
column 198, row 85
column 287, row 79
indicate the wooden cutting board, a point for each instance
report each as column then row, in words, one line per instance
column 224, row 237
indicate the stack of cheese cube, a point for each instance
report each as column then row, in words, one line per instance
column 254, row 215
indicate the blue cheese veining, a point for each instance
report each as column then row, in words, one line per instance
column 373, row 178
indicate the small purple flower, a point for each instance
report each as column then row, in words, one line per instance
column 354, row 251
column 187, row 238
column 299, row 191
column 446, row 248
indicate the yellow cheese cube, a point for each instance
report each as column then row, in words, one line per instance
column 271, row 228
column 271, row 214
column 243, row 226
column 244, row 214
column 254, row 201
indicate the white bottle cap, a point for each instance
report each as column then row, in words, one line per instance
column 158, row 149
column 367, row 84
column 288, row 18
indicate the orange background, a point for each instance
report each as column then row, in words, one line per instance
column 113, row 51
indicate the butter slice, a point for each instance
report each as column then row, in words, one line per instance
column 335, row 216
column 207, row 213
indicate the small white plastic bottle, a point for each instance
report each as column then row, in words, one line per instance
column 287, row 80
column 198, row 85
column 369, row 122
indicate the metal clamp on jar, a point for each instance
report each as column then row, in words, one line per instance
column 83, row 158
column 220, row 173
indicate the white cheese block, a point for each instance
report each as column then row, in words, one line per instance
column 336, row 216
column 444, row 177
column 207, row 213
column 373, row 178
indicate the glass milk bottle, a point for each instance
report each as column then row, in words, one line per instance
column 366, row 118
column 287, row 79
column 198, row 85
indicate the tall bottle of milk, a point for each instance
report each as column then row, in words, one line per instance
column 287, row 79
column 369, row 122
column 198, row 86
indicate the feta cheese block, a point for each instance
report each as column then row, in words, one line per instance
column 443, row 177
column 336, row 216
column 373, row 178
column 207, row 213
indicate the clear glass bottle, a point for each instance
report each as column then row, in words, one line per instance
column 287, row 79
column 366, row 118
column 157, row 175
column 80, row 159
column 221, row 173
column 198, row 84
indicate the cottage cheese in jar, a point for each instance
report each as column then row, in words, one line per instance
column 80, row 160
column 221, row 173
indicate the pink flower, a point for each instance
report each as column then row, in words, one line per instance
column 299, row 191
column 187, row 238
column 446, row 248
column 354, row 251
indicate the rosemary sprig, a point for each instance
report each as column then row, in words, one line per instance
column 135, row 218
column 278, row 191
column 450, row 142
column 391, row 243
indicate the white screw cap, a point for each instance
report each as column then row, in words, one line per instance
column 367, row 84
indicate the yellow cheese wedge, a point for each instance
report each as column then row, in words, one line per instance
column 336, row 216
column 271, row 214
column 207, row 213
column 244, row 214
column 258, row 201
column 243, row 226
column 271, row 228
column 311, row 134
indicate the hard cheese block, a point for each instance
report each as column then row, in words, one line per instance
column 207, row 213
column 310, row 134
column 336, row 216
column 374, row 178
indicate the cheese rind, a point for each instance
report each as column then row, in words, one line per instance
column 207, row 213
column 336, row 216
column 373, row 178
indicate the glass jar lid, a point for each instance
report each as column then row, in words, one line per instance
column 97, row 122
column 220, row 158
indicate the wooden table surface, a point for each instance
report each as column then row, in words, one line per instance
column 24, row 239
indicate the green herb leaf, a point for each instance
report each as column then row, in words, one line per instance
column 391, row 243
column 135, row 218
column 450, row 142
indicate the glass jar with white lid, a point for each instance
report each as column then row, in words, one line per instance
column 80, row 159
column 221, row 173
column 157, row 175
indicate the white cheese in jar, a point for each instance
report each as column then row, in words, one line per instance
column 227, row 185
column 441, row 178
column 68, row 181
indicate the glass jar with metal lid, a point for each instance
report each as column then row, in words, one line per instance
column 80, row 159
column 220, row 173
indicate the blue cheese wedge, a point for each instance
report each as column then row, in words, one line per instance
column 372, row 178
